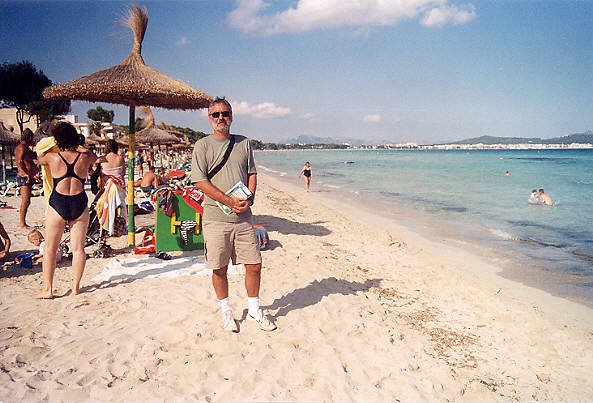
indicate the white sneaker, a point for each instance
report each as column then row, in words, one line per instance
column 262, row 321
column 228, row 322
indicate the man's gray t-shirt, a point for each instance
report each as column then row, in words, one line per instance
column 208, row 153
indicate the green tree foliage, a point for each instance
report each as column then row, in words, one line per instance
column 139, row 126
column 21, row 87
column 100, row 115
column 46, row 110
column 192, row 135
column 259, row 145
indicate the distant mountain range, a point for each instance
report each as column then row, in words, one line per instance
column 581, row 138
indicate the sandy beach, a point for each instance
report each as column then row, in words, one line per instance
column 367, row 310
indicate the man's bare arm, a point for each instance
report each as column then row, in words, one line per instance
column 252, row 186
column 19, row 157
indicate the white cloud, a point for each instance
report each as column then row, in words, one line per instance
column 372, row 118
column 307, row 15
column 262, row 111
column 182, row 41
column 438, row 17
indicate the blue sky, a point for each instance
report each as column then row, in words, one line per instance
column 395, row 71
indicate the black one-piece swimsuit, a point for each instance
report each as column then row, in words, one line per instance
column 68, row 207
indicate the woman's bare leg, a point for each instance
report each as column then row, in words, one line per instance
column 78, row 230
column 54, row 229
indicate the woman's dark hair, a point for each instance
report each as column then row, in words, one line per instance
column 111, row 147
column 27, row 134
column 66, row 135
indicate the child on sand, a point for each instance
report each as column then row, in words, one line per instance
column 36, row 238
column 4, row 243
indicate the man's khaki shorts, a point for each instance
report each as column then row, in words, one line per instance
column 224, row 241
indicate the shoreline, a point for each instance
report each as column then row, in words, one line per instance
column 521, row 257
column 366, row 309
column 563, row 310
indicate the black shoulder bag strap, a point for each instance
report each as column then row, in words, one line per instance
column 224, row 158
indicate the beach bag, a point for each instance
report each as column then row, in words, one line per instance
column 262, row 236
column 194, row 198
column 96, row 181
column 164, row 199
column 148, row 244
column 147, row 206
column 120, row 227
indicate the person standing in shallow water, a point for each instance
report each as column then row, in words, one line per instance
column 307, row 173
column 228, row 237
column 545, row 198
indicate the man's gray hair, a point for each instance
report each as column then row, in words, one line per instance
column 219, row 100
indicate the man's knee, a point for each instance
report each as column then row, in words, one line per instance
column 253, row 268
column 220, row 272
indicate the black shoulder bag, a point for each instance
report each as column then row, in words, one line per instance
column 227, row 153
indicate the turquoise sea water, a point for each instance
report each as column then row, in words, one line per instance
column 464, row 197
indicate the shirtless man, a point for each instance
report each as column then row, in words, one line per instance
column 27, row 169
column 544, row 198
column 150, row 179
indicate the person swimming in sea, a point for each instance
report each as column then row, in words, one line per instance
column 545, row 198
column 307, row 172
column 533, row 197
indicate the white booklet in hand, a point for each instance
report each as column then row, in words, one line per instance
column 239, row 191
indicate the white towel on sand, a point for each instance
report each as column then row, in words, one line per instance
column 152, row 267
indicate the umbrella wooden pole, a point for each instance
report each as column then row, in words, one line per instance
column 131, row 139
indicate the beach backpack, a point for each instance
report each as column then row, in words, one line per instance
column 262, row 236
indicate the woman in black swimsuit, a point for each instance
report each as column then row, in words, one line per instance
column 67, row 204
column 307, row 172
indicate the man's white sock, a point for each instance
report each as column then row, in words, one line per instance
column 225, row 304
column 253, row 305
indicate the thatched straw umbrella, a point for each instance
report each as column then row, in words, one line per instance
column 154, row 135
column 97, row 139
column 6, row 138
column 131, row 83
column 42, row 131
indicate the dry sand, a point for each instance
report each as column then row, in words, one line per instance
column 366, row 311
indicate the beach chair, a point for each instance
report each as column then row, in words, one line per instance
column 9, row 186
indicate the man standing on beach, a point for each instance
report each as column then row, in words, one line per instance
column 26, row 171
column 228, row 237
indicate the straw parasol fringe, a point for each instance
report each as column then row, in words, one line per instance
column 6, row 138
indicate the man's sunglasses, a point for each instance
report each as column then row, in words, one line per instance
column 224, row 114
